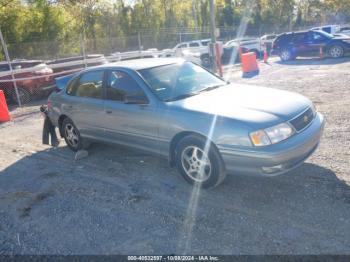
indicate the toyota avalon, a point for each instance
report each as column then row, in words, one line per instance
column 204, row 125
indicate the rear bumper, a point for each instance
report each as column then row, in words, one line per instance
column 275, row 159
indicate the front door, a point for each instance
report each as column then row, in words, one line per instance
column 315, row 41
column 129, row 123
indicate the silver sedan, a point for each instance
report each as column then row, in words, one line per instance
column 204, row 125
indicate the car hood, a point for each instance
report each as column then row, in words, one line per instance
column 254, row 105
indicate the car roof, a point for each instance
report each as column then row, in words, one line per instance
column 292, row 33
column 194, row 41
column 144, row 63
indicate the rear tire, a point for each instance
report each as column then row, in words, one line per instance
column 336, row 51
column 196, row 166
column 286, row 55
column 72, row 135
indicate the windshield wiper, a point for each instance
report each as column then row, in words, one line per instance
column 210, row 88
column 181, row 96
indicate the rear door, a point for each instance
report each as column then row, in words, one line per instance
column 300, row 45
column 84, row 103
column 126, row 123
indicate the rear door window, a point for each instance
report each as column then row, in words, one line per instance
column 299, row 38
column 194, row 44
column 88, row 85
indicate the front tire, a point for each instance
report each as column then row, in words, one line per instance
column 197, row 164
column 72, row 135
column 336, row 51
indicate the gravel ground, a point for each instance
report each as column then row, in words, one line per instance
column 120, row 201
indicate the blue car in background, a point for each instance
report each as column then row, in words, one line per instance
column 308, row 43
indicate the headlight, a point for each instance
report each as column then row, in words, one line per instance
column 260, row 138
column 271, row 135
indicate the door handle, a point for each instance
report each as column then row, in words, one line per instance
column 109, row 111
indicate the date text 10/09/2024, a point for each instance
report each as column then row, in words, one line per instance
column 173, row 258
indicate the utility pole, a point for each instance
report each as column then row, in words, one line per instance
column 212, row 35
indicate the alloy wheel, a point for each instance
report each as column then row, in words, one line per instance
column 196, row 163
column 285, row 55
column 336, row 51
column 71, row 135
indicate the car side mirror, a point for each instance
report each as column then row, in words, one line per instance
column 136, row 99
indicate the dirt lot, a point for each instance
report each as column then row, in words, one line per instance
column 120, row 201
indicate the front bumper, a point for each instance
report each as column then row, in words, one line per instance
column 274, row 159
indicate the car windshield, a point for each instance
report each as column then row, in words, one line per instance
column 179, row 80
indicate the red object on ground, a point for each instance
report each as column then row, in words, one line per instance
column 4, row 112
column 218, row 59
column 249, row 63
column 265, row 54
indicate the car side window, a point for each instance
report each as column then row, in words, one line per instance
column 88, row 85
column 120, row 85
column 317, row 37
column 299, row 38
column 194, row 44
column 4, row 68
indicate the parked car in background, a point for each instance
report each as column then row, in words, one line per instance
column 121, row 56
column 167, row 53
column 330, row 29
column 308, row 43
column 267, row 40
column 253, row 44
column 196, row 46
column 33, row 79
column 205, row 126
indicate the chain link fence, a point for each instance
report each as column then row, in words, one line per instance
column 35, row 65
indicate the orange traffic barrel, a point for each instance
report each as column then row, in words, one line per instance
column 249, row 64
column 4, row 112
